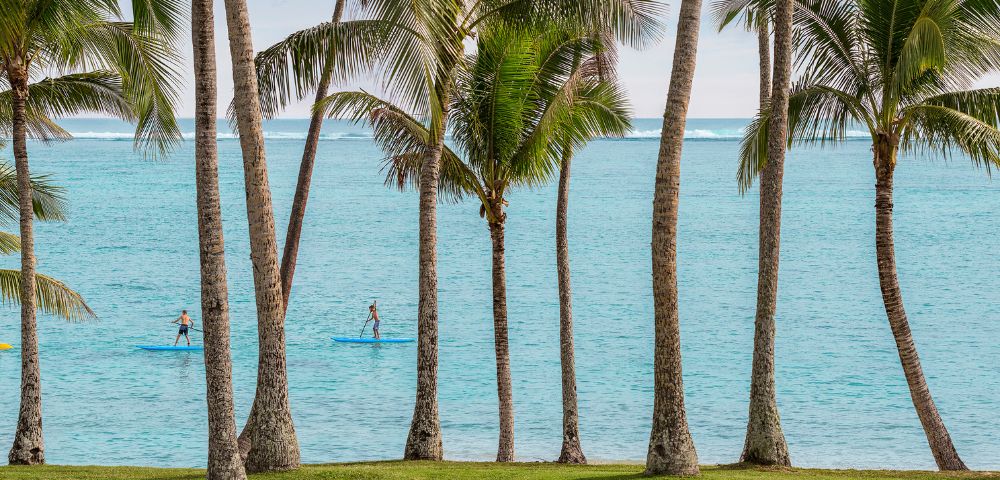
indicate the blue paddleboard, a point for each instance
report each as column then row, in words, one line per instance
column 371, row 340
column 180, row 348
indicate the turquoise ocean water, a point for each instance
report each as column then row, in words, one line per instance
column 130, row 247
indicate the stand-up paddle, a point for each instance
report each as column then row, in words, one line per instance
column 185, row 323
column 372, row 315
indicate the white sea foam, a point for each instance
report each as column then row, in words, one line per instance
column 698, row 133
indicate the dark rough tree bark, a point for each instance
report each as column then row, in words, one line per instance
column 505, row 394
column 224, row 462
column 424, row 440
column 268, row 439
column 571, row 451
column 290, row 253
column 29, row 446
column 885, row 151
column 671, row 449
column 765, row 441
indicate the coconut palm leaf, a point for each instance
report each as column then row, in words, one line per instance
column 53, row 296
column 290, row 69
column 753, row 13
column 9, row 243
column 635, row 23
column 405, row 141
column 899, row 68
column 81, row 36
column 48, row 200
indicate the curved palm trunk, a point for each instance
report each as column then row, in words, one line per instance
column 765, row 442
column 224, row 461
column 571, row 451
column 505, row 394
column 671, row 449
column 937, row 435
column 269, row 436
column 294, row 233
column 424, row 439
column 29, row 445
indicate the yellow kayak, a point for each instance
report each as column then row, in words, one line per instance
column 4, row 346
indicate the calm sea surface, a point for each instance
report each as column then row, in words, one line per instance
column 130, row 247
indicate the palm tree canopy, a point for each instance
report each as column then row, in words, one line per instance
column 124, row 69
column 413, row 47
column 518, row 102
column 903, row 69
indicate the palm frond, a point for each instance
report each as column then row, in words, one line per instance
column 162, row 17
column 753, row 150
column 53, row 296
column 48, row 200
column 9, row 243
column 967, row 121
column 753, row 13
column 290, row 69
column 635, row 23
column 405, row 141
column 149, row 67
column 92, row 92
column 828, row 47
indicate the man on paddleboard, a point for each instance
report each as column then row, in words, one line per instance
column 185, row 323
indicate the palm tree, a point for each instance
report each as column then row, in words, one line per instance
column 268, row 61
column 131, row 76
column 904, row 70
column 268, row 440
column 671, row 449
column 417, row 48
column 765, row 442
column 224, row 462
column 571, row 451
column 517, row 105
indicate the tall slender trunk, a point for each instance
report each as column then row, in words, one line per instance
column 29, row 445
column 571, row 451
column 505, row 394
column 671, row 449
column 424, row 439
column 764, row 55
column 269, row 435
column 224, row 461
column 294, row 233
column 765, row 442
column 937, row 435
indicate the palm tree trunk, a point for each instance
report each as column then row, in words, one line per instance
column 294, row 233
column 29, row 445
column 224, row 461
column 505, row 394
column 937, row 435
column 764, row 54
column 269, row 435
column 424, row 439
column 671, row 449
column 571, row 451
column 765, row 442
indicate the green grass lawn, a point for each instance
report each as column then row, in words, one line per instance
column 463, row 471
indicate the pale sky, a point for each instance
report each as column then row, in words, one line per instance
column 725, row 83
